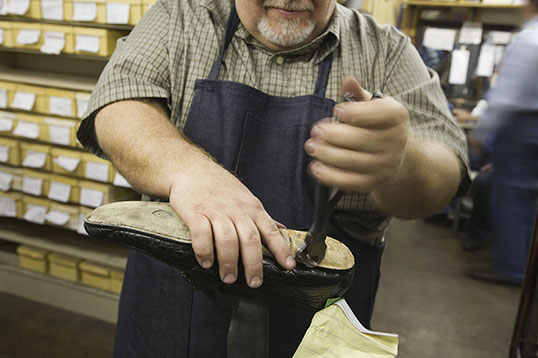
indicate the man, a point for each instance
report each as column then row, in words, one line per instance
column 221, row 112
column 511, row 124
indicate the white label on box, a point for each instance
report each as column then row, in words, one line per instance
column 32, row 185
column 3, row 97
column 52, row 10
column 439, row 39
column 57, row 217
column 35, row 214
column 28, row 37
column 23, row 100
column 5, row 181
column 91, row 198
column 87, row 43
column 59, row 191
column 84, row 11
column 6, row 124
column 4, row 154
column 61, row 106
column 54, row 43
column 97, row 171
column 80, row 226
column 500, row 37
column 34, row 159
column 67, row 163
column 459, row 67
column 27, row 129
column 486, row 61
column 18, row 7
column 3, row 7
column 82, row 104
column 119, row 180
column 8, row 207
column 60, row 135
column 117, row 13
column 1, row 36
column 471, row 33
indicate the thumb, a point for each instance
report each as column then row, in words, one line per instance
column 351, row 85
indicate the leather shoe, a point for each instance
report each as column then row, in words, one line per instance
column 494, row 276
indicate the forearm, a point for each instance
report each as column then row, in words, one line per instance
column 144, row 145
column 426, row 181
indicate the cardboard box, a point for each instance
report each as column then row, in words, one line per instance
column 66, row 161
column 30, row 126
column 93, row 194
column 95, row 168
column 60, row 102
column 28, row 98
column 89, row 11
column 31, row 258
column 82, row 212
column 63, row 215
column 35, row 156
column 10, row 151
column 27, row 35
column 94, row 41
column 67, row 32
column 8, row 122
column 34, row 209
column 123, row 12
column 64, row 267
column 10, row 178
column 33, row 12
column 63, row 189
column 11, row 204
column 116, row 281
column 82, row 99
column 7, row 91
column 61, row 131
column 7, row 36
column 95, row 275
column 35, row 183
column 51, row 10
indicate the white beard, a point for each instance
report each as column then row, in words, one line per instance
column 287, row 32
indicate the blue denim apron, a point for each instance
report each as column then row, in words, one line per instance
column 260, row 139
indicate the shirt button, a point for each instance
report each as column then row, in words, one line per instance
column 280, row 60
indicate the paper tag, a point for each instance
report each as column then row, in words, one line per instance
column 117, row 13
column 3, row 96
column 60, row 135
column 82, row 104
column 3, row 7
column 80, row 226
column 28, row 37
column 459, row 67
column 486, row 61
column 87, row 43
column 91, row 198
column 4, row 153
column 8, row 207
column 54, row 43
column 18, row 7
column 5, row 181
column 27, row 129
column 1, row 35
column 6, row 124
column 471, row 33
column 23, row 100
column 500, row 37
column 57, row 217
column 439, row 39
column 52, row 10
column 67, row 163
column 35, row 214
column 34, row 159
column 119, row 180
column 97, row 171
column 59, row 191
column 84, row 11
column 32, row 185
column 61, row 106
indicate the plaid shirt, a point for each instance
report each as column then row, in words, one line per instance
column 177, row 41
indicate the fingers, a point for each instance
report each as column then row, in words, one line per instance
column 251, row 251
column 351, row 85
column 345, row 179
column 274, row 241
column 381, row 113
column 227, row 247
column 201, row 238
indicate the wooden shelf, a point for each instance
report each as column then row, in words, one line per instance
column 63, row 241
column 69, row 23
column 67, row 55
column 458, row 4
column 45, row 79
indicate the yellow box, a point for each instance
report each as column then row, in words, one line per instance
column 52, row 15
column 93, row 194
column 63, row 189
column 7, row 91
column 82, row 212
column 16, row 177
column 31, row 258
column 8, row 122
column 116, row 281
column 64, row 267
column 10, row 151
column 67, row 30
column 82, row 99
column 31, row 126
column 60, row 102
column 95, row 168
column 35, row 156
column 114, row 13
column 38, row 104
column 66, row 161
column 63, row 215
column 33, row 12
column 97, row 42
column 11, row 204
column 95, row 275
column 27, row 35
column 6, row 29
column 35, row 183
column 89, row 11
column 61, row 131
column 146, row 4
column 34, row 209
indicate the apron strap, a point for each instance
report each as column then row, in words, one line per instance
column 231, row 26
column 323, row 76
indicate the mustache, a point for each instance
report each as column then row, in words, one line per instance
column 290, row 5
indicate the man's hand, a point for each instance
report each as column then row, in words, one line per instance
column 364, row 151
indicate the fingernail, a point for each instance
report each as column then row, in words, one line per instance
column 317, row 132
column 338, row 111
column 207, row 264
column 255, row 281
column 229, row 278
column 310, row 147
column 290, row 262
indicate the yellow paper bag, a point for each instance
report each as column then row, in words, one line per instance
column 335, row 332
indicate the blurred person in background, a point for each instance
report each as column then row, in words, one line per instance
column 511, row 124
